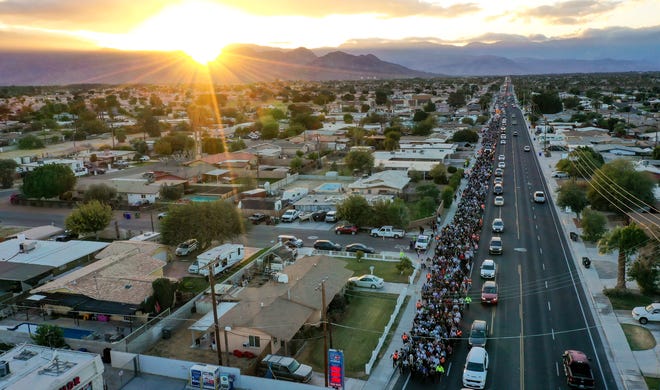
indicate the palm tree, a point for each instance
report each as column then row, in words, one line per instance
column 627, row 240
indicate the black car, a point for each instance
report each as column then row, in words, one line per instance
column 319, row 216
column 326, row 245
column 359, row 247
column 68, row 235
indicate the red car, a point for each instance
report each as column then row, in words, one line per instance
column 346, row 229
column 489, row 292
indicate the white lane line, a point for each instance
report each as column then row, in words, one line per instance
column 549, row 309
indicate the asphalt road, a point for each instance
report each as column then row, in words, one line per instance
column 542, row 307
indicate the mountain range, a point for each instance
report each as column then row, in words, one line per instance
column 614, row 50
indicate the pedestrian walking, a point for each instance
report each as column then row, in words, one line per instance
column 395, row 358
column 421, row 230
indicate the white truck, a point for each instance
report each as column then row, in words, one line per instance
column 226, row 254
column 387, row 231
column 290, row 215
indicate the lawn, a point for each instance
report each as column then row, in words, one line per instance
column 364, row 320
column 385, row 269
column 193, row 284
column 639, row 338
column 652, row 383
column 627, row 300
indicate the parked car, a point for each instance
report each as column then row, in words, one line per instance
column 539, row 197
column 495, row 247
column 367, row 281
column 560, row 174
column 162, row 215
column 326, row 245
column 319, row 215
column 346, row 229
column 644, row 314
column 145, row 158
column 476, row 368
column 331, row 216
column 284, row 238
column 387, row 231
column 498, row 225
column 489, row 292
column 68, row 235
column 359, row 247
column 478, row 333
column 187, row 247
column 286, row 368
column 422, row 242
column 488, row 269
column 577, row 369
column 290, row 215
column 257, row 218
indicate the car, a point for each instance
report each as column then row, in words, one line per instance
column 422, row 242
column 186, row 247
column 145, row 158
column 284, row 238
column 326, row 245
column 359, row 247
column 499, row 200
column 498, row 225
column 367, row 281
column 644, row 314
column 476, row 368
column 488, row 269
column 489, row 292
column 290, row 215
column 501, row 157
column 501, row 164
column 346, row 229
column 526, row 148
column 577, row 369
column 495, row 246
column 560, row 174
column 121, row 164
column 515, row 133
column 502, row 136
column 162, row 215
column 503, row 142
column 498, row 180
column 286, row 368
column 68, row 235
column 539, row 197
column 478, row 333
column 257, row 218
column 319, row 215
column 331, row 216
column 499, row 172
column 498, row 189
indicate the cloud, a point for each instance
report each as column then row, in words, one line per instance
column 570, row 12
column 320, row 8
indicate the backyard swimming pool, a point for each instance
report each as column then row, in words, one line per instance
column 70, row 333
column 329, row 187
column 203, row 198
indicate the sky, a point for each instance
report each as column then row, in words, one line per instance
column 202, row 27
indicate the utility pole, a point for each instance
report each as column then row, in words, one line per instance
column 210, row 267
column 324, row 318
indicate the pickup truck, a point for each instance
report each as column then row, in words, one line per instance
column 577, row 369
column 290, row 215
column 387, row 231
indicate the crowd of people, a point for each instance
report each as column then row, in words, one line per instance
column 436, row 327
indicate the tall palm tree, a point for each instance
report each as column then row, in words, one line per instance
column 627, row 240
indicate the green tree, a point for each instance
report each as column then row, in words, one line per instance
column 573, row 195
column 618, row 187
column 7, row 173
column 90, row 217
column 430, row 107
column 164, row 293
column 206, row 221
column 355, row 209
column 120, row 134
column 627, row 241
column 581, row 162
column 571, row 102
column 393, row 213
column 48, row 181
column 656, row 152
column 140, row 146
column 381, row 97
column 48, row 335
column 646, row 270
column 30, row 141
column 348, row 118
column 100, row 192
column 467, row 121
column 448, row 196
column 470, row 136
column 171, row 193
column 594, row 225
column 237, row 145
column 456, row 99
column 296, row 165
column 439, row 174
column 361, row 160
column 420, row 116
column 404, row 265
column 424, row 127
column 548, row 102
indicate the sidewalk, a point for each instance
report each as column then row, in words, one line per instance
column 383, row 375
column 628, row 366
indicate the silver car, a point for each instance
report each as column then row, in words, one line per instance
column 367, row 281
column 478, row 333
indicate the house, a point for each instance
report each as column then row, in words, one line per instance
column 115, row 285
column 421, row 161
column 272, row 314
column 76, row 166
column 136, row 191
column 384, row 182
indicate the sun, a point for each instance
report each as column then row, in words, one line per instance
column 198, row 28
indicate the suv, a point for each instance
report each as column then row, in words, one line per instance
column 644, row 314
column 187, row 247
column 331, row 216
column 290, row 215
column 498, row 225
column 476, row 368
column 284, row 367
column 495, row 247
column 577, row 369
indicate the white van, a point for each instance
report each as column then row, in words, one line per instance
column 476, row 368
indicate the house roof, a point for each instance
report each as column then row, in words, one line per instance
column 392, row 179
column 48, row 253
column 21, row 272
column 258, row 203
column 280, row 309
column 226, row 157
column 124, row 278
column 134, row 186
column 122, row 247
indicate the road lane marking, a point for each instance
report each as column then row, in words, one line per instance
column 553, row 332
column 549, row 309
column 522, row 332
column 541, row 250
column 546, row 284
column 543, row 265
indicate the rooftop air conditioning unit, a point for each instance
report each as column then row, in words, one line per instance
column 27, row 246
